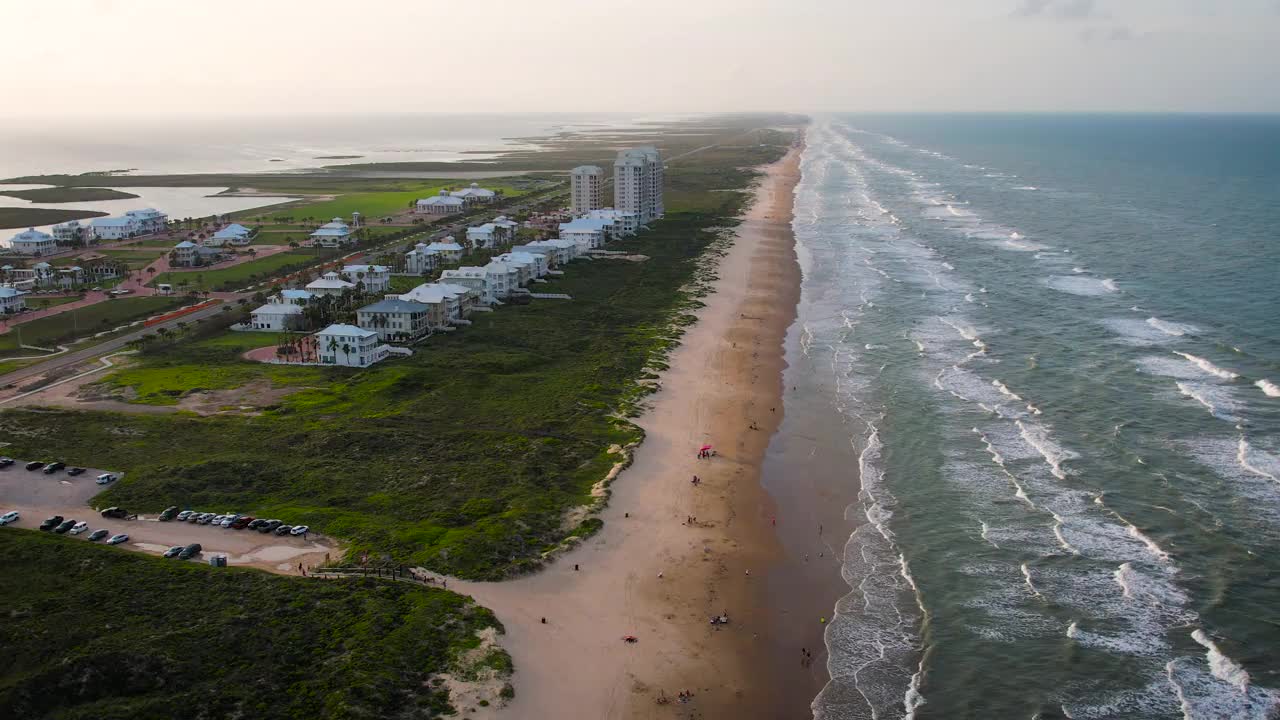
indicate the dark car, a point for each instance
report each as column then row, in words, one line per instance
column 97, row 535
column 174, row 551
column 115, row 512
column 51, row 523
column 169, row 513
column 35, row 465
column 6, row 461
column 53, row 467
column 243, row 522
column 75, row 471
column 65, row 526
column 190, row 551
column 283, row 530
column 257, row 524
column 270, row 526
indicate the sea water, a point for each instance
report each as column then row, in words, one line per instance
column 1056, row 341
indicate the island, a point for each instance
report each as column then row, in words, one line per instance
column 68, row 194
column 23, row 217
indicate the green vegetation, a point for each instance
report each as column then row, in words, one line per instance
column 24, row 217
column 72, row 324
column 236, row 277
column 40, row 303
column 104, row 633
column 371, row 205
column 68, row 194
column 464, row 457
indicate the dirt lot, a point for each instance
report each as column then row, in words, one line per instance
column 37, row 496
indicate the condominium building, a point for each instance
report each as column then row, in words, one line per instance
column 587, row 189
column 637, row 182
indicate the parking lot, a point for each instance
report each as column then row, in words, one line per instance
column 37, row 496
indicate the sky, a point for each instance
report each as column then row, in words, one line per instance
column 125, row 57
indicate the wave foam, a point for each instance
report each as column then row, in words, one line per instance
column 1268, row 387
column 1173, row 329
column 1207, row 366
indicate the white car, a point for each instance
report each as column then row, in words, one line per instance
column 9, row 517
column 300, row 530
column 79, row 528
column 226, row 521
column 117, row 539
column 105, row 478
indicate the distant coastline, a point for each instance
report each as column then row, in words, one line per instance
column 68, row 194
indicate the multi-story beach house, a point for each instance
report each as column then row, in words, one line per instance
column 234, row 234
column 294, row 297
column 333, row 234
column 586, row 189
column 558, row 251
column 73, row 233
column 475, row 194
column 458, row 300
column 12, row 300
column 421, row 260
column 538, row 263
column 447, row 250
column 276, row 317
column 637, row 183
column 493, row 282
column 586, row 235
column 396, row 320
column 376, row 278
column 331, row 283
column 114, row 228
column 149, row 220
column 442, row 204
column 624, row 223
column 348, row 345
column 189, row 254
column 500, row 231
column 33, row 242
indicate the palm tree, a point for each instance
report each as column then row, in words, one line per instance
column 333, row 346
column 346, row 352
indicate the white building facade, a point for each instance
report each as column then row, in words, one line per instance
column 638, row 182
column 376, row 278
column 348, row 345
column 395, row 320
column 33, row 242
column 442, row 204
column 586, row 189
column 276, row 316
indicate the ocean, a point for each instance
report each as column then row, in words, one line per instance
column 1055, row 344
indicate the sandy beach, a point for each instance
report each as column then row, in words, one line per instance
column 650, row 572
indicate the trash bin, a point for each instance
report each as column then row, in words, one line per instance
column 218, row 560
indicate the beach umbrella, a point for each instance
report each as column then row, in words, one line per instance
column 704, row 448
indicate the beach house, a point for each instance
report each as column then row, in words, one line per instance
column 72, row 233
column 333, row 234
column 501, row 231
column 294, row 297
column 531, row 265
column 277, row 317
column 492, row 283
column 330, row 284
column 348, row 345
column 449, row 251
column 376, row 278
column 623, row 223
column 442, row 204
column 114, row 228
column 148, row 220
column 395, row 320
column 39, row 275
column 558, row 251
column 33, row 242
column 421, row 259
column 475, row 194
column 189, row 254
column 12, row 300
column 586, row 184
column 458, row 300
column 234, row 234
column 587, row 235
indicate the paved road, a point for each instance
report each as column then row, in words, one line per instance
column 79, row 356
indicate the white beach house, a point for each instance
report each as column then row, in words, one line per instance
column 348, row 345
column 586, row 184
column 501, row 231
column 234, row 234
column 294, row 297
column 189, row 254
column 396, row 320
column 586, row 237
column 72, row 233
column 329, row 284
column 33, row 242
column 376, row 278
column 12, row 300
column 493, row 282
column 624, row 223
column 442, row 204
column 114, row 228
column 421, row 259
column 148, row 220
column 459, row 300
column 448, row 250
column 333, row 234
column 475, row 194
column 277, row 316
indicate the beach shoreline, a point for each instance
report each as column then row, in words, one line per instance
column 672, row 553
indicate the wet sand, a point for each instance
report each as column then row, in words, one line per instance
column 652, row 574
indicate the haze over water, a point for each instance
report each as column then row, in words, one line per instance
column 1055, row 339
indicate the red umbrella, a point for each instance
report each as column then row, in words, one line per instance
column 704, row 448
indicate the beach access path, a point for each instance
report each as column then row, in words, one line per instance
column 653, row 574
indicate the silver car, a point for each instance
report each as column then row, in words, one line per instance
column 8, row 517
column 79, row 528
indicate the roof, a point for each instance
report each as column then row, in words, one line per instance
column 344, row 329
column 41, row 266
column 184, row 244
column 444, row 246
column 7, row 292
column 144, row 212
column 330, row 284
column 297, row 294
column 442, row 199
column 473, row 191
column 234, row 230
column 588, row 170
column 277, row 309
column 331, row 231
column 32, row 235
column 428, row 293
column 395, row 305
column 366, row 269
column 450, row 289
column 112, row 222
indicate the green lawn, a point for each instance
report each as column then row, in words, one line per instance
column 72, row 324
column 93, row 632
column 36, row 302
column 234, row 278
column 373, row 205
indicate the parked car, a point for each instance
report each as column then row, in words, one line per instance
column 169, row 513
column 195, row 517
column 8, row 517
column 97, row 535
column 270, row 526
column 206, row 518
column 243, row 521
column 51, row 523
column 190, row 551
column 173, row 551
column 35, row 465
column 115, row 512
column 299, row 530
column 283, row 530
column 182, row 516
column 64, row 526
column 230, row 520
column 6, row 461
column 79, row 528
column 257, row 524
column 54, row 467
column 105, row 478
column 117, row 539
column 75, row 471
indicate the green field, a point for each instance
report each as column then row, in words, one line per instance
column 68, row 194
column 72, row 324
column 373, row 205
column 39, row 303
column 101, row 633
column 234, row 278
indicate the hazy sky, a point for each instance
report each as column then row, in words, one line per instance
column 286, row 56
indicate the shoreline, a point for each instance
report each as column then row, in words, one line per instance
column 648, row 573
